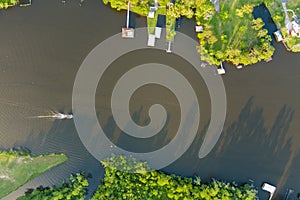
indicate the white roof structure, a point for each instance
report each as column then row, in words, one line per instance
column 198, row 29
column 151, row 12
column 157, row 32
column 221, row 69
column 269, row 59
column 127, row 33
column 278, row 36
column 293, row 27
column 269, row 188
column 151, row 40
column 296, row 29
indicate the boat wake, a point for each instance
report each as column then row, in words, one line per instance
column 52, row 115
column 55, row 116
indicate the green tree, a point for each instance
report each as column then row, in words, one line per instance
column 75, row 188
column 257, row 24
column 123, row 181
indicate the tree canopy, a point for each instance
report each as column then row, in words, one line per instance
column 7, row 3
column 130, row 179
column 127, row 178
column 231, row 34
column 74, row 189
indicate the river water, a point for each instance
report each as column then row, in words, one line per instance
column 43, row 46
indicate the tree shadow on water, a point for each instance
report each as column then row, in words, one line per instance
column 247, row 148
column 129, row 143
column 249, row 132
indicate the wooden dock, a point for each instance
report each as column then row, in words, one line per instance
column 127, row 32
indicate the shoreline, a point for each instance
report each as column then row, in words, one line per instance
column 262, row 81
column 217, row 43
column 18, row 168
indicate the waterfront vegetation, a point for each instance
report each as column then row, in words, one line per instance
column 293, row 43
column 170, row 28
column 129, row 179
column 8, row 3
column 19, row 167
column 151, row 23
column 75, row 188
column 231, row 35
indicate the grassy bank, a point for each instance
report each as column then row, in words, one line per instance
column 17, row 169
column 75, row 188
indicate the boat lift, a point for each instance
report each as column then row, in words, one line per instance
column 269, row 188
column 127, row 32
column 221, row 69
column 168, row 50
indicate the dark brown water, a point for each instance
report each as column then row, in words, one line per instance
column 41, row 49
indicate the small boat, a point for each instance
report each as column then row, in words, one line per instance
column 63, row 116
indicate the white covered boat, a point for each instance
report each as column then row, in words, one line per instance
column 63, row 116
